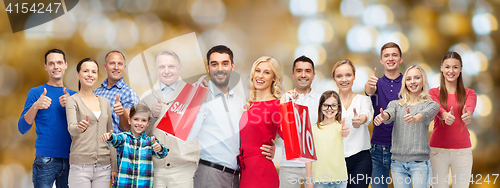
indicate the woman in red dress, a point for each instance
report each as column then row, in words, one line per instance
column 259, row 124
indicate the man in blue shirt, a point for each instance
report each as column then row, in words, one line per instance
column 382, row 91
column 53, row 140
column 114, row 87
column 217, row 126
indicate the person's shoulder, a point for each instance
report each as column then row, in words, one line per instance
column 70, row 91
column 434, row 91
column 470, row 91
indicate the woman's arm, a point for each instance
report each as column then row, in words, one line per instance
column 71, row 115
column 391, row 111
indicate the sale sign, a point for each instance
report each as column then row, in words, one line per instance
column 297, row 132
column 180, row 116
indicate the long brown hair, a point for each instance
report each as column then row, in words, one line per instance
column 326, row 95
column 460, row 89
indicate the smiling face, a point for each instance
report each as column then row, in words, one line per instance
column 303, row 75
column 220, row 68
column 263, row 76
column 344, row 77
column 167, row 69
column 138, row 123
column 451, row 69
column 330, row 107
column 391, row 59
column 88, row 74
column 414, row 81
column 115, row 66
column 55, row 66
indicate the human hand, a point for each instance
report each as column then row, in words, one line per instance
column 43, row 101
column 268, row 150
column 466, row 115
column 449, row 117
column 107, row 136
column 156, row 146
column 117, row 107
column 345, row 129
column 356, row 120
column 83, row 125
column 410, row 119
column 62, row 98
column 156, row 108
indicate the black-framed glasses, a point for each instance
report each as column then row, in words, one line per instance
column 332, row 106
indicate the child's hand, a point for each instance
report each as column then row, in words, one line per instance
column 345, row 129
column 83, row 125
column 156, row 147
column 106, row 136
column 380, row 118
column 410, row 119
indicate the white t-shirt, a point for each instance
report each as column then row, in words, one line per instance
column 358, row 139
column 311, row 100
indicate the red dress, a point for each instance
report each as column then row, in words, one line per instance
column 258, row 126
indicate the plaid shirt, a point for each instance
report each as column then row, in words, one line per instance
column 128, row 98
column 136, row 167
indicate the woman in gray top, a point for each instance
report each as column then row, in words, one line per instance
column 412, row 114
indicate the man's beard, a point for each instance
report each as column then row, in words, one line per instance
column 223, row 83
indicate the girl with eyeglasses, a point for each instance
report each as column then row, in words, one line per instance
column 356, row 109
column 329, row 134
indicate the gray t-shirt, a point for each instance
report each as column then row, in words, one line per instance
column 409, row 142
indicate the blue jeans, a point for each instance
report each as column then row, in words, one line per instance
column 359, row 168
column 339, row 184
column 46, row 170
column 381, row 160
column 418, row 173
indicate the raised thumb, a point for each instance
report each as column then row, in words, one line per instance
column 44, row 92
column 65, row 92
column 154, row 140
column 464, row 110
column 117, row 98
column 87, row 118
column 355, row 113
column 382, row 113
column 375, row 71
column 408, row 110
column 343, row 122
column 451, row 111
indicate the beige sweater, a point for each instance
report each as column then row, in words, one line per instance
column 86, row 147
column 179, row 152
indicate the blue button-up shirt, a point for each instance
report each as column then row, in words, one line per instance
column 128, row 98
column 217, row 127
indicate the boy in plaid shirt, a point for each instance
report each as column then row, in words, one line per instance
column 136, row 166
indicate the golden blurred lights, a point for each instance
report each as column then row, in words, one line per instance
column 208, row 12
column 306, row 7
column 483, row 24
column 484, row 106
column 378, row 16
column 352, row 8
column 473, row 139
column 315, row 31
column 361, row 38
column 316, row 52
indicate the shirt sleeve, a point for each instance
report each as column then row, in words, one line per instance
column 471, row 100
column 434, row 95
column 130, row 99
column 116, row 140
column 391, row 110
column 195, row 129
column 429, row 111
column 71, row 115
column 366, row 109
column 22, row 125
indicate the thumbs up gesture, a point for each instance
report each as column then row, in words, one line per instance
column 156, row 147
column 345, row 129
column 410, row 119
column 449, row 117
column 107, row 136
column 466, row 115
column 156, row 108
column 83, row 125
column 62, row 98
column 383, row 116
column 117, row 107
column 372, row 81
column 43, row 101
column 356, row 120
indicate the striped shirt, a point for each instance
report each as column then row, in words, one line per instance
column 136, row 166
column 128, row 98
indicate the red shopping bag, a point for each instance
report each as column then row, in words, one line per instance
column 297, row 132
column 180, row 116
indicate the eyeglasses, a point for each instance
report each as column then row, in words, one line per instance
column 332, row 106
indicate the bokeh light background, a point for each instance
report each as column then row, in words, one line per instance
column 325, row 30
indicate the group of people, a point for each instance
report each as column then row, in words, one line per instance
column 94, row 138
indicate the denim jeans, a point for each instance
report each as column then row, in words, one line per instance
column 359, row 168
column 339, row 184
column 381, row 160
column 46, row 170
column 418, row 173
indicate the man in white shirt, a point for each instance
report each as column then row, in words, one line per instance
column 217, row 126
column 177, row 169
column 293, row 173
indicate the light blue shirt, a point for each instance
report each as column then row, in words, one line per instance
column 168, row 90
column 217, row 127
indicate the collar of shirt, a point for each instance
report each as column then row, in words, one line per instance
column 215, row 90
column 142, row 136
column 118, row 84
column 172, row 87
column 397, row 80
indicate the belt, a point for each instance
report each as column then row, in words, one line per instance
column 219, row 167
